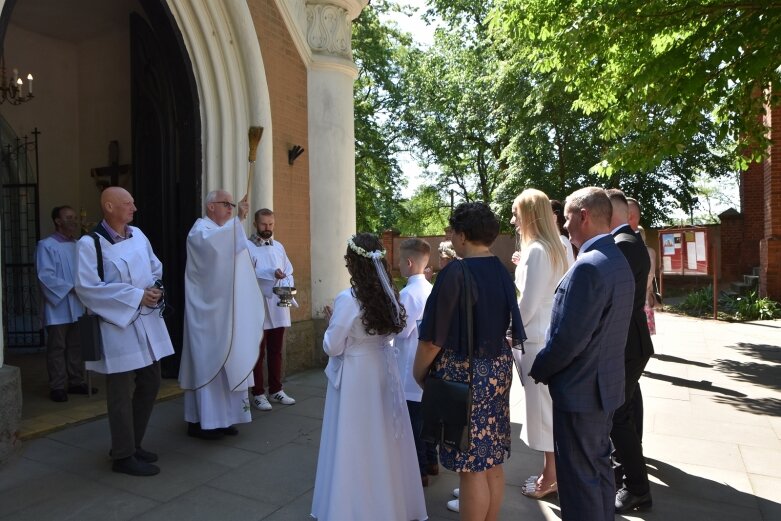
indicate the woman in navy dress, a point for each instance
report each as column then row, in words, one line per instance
column 443, row 349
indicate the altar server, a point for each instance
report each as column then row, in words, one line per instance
column 134, row 334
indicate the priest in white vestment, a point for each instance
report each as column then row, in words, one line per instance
column 55, row 263
column 223, row 321
column 120, row 286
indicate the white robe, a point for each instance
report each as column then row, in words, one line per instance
column 55, row 263
column 223, row 325
column 413, row 297
column 267, row 259
column 365, row 424
column 134, row 336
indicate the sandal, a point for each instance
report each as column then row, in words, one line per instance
column 533, row 490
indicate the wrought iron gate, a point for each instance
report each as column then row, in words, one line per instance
column 20, row 234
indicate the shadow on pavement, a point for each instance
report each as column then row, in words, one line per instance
column 765, row 406
column 679, row 360
column 766, row 373
column 702, row 385
column 705, row 498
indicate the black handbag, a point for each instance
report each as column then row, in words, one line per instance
column 89, row 324
column 446, row 406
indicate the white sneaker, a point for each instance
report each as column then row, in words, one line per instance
column 453, row 505
column 456, row 492
column 282, row 398
column 261, row 403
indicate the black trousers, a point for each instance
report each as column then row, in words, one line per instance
column 625, row 434
column 130, row 397
column 583, row 469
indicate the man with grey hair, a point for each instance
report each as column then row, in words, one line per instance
column 583, row 358
column 223, row 321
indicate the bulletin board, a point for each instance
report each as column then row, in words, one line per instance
column 684, row 250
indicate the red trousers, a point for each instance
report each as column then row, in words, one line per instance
column 271, row 345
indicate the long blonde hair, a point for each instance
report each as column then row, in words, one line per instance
column 537, row 224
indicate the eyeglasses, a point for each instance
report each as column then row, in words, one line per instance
column 226, row 204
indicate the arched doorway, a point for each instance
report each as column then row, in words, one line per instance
column 113, row 72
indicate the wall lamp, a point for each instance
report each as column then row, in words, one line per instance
column 293, row 153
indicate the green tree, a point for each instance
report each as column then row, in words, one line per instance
column 426, row 213
column 662, row 73
column 453, row 118
column 379, row 51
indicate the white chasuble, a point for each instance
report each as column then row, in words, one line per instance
column 134, row 336
column 224, row 311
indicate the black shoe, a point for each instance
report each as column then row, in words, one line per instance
column 627, row 502
column 134, row 467
column 58, row 395
column 230, row 431
column 141, row 455
column 145, row 455
column 194, row 430
column 81, row 389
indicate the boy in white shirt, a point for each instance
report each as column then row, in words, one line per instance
column 413, row 259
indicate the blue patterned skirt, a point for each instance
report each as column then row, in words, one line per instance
column 490, row 439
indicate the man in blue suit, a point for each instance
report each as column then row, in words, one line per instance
column 583, row 358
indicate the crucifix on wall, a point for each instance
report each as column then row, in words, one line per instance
column 114, row 174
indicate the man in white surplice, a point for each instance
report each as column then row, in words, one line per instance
column 223, row 321
column 272, row 267
column 55, row 262
column 122, row 291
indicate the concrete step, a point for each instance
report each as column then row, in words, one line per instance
column 751, row 280
column 741, row 288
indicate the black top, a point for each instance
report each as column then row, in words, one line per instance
column 495, row 308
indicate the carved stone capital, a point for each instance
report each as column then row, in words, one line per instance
column 329, row 30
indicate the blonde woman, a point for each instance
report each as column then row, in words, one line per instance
column 543, row 261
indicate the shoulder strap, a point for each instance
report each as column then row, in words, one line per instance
column 467, row 297
column 98, row 253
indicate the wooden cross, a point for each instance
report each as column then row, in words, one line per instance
column 114, row 174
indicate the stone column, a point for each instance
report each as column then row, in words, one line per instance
column 331, row 151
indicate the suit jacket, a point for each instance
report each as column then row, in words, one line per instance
column 583, row 358
column 639, row 346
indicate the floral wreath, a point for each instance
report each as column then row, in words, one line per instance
column 376, row 254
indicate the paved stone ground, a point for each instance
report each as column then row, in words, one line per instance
column 713, row 442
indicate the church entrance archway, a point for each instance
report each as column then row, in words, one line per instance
column 116, row 103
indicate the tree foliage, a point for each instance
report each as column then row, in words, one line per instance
column 660, row 73
column 379, row 50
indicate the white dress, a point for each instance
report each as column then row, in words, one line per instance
column 536, row 281
column 367, row 468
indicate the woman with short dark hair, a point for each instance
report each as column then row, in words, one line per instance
column 443, row 349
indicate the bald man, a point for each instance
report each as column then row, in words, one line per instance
column 121, row 285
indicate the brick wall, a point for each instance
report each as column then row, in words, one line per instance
column 770, row 244
column 286, row 75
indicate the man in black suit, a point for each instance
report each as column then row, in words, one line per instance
column 583, row 358
column 635, row 493
column 633, row 219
